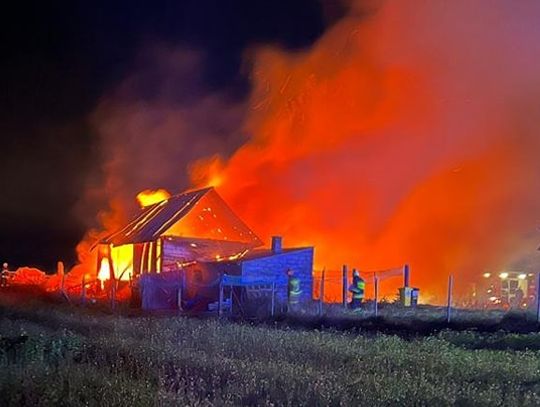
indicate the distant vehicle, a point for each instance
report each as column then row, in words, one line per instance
column 506, row 289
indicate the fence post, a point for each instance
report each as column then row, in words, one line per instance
column 273, row 308
column 345, row 286
column 321, row 296
column 63, row 284
column 376, row 295
column 231, row 299
column 113, row 295
column 83, row 290
column 180, row 288
column 538, row 297
column 60, row 271
column 406, row 275
column 449, row 304
column 220, row 303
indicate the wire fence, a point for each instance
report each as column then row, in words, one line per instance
column 494, row 293
column 386, row 291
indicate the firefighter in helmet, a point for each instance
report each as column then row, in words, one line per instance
column 4, row 275
column 293, row 290
column 357, row 288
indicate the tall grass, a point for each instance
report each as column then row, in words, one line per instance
column 83, row 358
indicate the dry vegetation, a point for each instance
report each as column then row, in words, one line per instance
column 75, row 357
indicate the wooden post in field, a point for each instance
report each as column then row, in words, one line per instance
column 83, row 290
column 376, row 295
column 220, row 303
column 61, row 272
column 406, row 276
column 345, row 286
column 231, row 292
column 273, row 307
column 180, row 288
column 112, row 277
column 184, row 282
column 113, row 295
column 449, row 304
column 538, row 297
column 321, row 294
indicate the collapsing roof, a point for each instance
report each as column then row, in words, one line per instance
column 200, row 214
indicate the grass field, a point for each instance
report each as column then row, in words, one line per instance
column 79, row 357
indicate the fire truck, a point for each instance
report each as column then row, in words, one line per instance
column 507, row 289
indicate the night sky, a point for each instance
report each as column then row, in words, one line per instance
column 59, row 58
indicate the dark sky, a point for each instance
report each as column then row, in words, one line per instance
column 59, row 57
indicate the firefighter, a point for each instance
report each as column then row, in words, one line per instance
column 357, row 289
column 4, row 275
column 293, row 290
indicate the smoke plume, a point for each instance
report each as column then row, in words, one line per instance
column 408, row 136
column 150, row 128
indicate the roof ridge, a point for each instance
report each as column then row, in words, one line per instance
column 191, row 191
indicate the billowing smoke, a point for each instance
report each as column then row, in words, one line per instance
column 151, row 127
column 159, row 120
column 409, row 136
column 406, row 134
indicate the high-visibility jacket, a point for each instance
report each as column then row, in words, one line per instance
column 358, row 288
column 294, row 290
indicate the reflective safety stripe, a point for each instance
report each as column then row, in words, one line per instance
column 294, row 290
column 358, row 293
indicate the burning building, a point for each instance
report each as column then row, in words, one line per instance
column 185, row 243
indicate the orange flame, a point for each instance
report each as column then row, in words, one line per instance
column 392, row 140
column 104, row 270
column 149, row 197
column 372, row 147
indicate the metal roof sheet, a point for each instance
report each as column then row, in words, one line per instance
column 154, row 221
column 261, row 253
column 207, row 250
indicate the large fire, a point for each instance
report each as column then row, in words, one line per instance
column 404, row 135
column 393, row 140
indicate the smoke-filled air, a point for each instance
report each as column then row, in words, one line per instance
column 406, row 134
